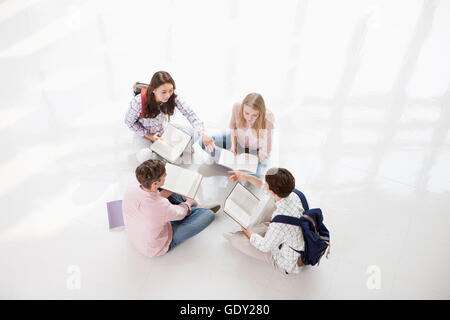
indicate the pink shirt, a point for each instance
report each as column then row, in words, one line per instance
column 147, row 217
column 247, row 136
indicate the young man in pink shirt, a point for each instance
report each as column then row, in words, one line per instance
column 156, row 221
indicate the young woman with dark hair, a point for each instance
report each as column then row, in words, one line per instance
column 150, row 121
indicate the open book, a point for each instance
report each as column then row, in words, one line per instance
column 244, row 161
column 182, row 181
column 173, row 144
column 243, row 206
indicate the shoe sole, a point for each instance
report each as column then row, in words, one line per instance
column 215, row 208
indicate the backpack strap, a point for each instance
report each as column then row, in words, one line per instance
column 281, row 218
column 302, row 199
column 296, row 222
column 143, row 101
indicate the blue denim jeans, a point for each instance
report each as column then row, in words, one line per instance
column 223, row 141
column 198, row 220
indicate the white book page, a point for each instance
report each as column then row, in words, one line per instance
column 263, row 211
column 247, row 162
column 195, row 185
column 244, row 198
column 165, row 150
column 176, row 138
column 237, row 213
column 244, row 161
column 227, row 159
column 182, row 181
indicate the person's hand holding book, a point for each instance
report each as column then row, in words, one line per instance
column 153, row 137
column 247, row 232
column 157, row 137
column 191, row 202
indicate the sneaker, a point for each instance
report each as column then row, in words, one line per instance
column 213, row 207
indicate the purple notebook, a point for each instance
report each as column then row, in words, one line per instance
column 115, row 216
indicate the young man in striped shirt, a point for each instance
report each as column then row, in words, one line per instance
column 273, row 243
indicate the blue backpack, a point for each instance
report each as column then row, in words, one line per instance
column 315, row 234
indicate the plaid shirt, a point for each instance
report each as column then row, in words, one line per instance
column 281, row 233
column 158, row 124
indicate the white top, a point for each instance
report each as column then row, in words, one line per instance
column 289, row 235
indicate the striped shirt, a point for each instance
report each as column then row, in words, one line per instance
column 281, row 233
column 158, row 124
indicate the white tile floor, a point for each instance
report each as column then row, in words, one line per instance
column 361, row 94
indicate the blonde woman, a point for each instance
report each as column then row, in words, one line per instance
column 250, row 131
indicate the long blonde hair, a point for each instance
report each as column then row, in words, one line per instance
column 256, row 102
